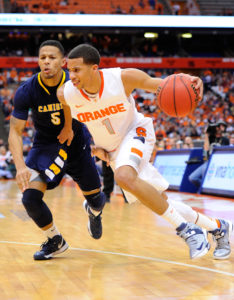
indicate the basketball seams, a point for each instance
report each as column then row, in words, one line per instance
column 190, row 97
column 162, row 92
column 174, row 98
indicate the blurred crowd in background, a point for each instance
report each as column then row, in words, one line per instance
column 105, row 7
column 171, row 133
column 146, row 7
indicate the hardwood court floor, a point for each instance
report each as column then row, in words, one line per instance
column 138, row 257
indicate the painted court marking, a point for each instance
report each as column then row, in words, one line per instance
column 134, row 256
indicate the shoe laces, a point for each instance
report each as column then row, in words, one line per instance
column 220, row 237
column 93, row 215
column 187, row 233
column 51, row 244
column 190, row 236
column 96, row 218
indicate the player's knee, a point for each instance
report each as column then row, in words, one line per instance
column 164, row 196
column 32, row 201
column 96, row 200
column 36, row 207
column 126, row 178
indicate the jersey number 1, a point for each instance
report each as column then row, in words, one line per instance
column 108, row 125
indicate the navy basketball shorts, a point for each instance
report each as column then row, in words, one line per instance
column 53, row 160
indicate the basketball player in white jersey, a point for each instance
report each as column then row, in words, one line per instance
column 124, row 138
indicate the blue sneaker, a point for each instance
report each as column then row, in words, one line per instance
column 51, row 247
column 221, row 237
column 94, row 223
column 196, row 239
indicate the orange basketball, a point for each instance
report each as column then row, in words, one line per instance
column 176, row 95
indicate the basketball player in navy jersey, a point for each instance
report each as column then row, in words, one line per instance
column 49, row 160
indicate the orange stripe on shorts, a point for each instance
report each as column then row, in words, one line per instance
column 136, row 151
column 218, row 223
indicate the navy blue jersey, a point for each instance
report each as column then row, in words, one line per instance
column 47, row 111
column 47, row 156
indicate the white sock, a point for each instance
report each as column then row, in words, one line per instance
column 173, row 217
column 209, row 224
column 52, row 231
column 185, row 210
column 194, row 217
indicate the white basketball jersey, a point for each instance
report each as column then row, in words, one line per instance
column 110, row 115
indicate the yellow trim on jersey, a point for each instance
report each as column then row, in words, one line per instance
column 63, row 79
column 43, row 86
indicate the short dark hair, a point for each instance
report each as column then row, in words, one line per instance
column 54, row 43
column 89, row 54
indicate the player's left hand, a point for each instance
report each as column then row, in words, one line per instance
column 100, row 153
column 66, row 134
column 198, row 85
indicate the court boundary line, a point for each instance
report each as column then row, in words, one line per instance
column 133, row 256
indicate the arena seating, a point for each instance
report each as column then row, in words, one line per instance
column 214, row 7
column 180, row 7
column 84, row 6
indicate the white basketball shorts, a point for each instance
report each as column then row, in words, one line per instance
column 135, row 150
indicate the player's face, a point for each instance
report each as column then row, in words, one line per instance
column 50, row 61
column 81, row 74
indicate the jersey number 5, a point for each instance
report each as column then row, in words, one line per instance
column 55, row 118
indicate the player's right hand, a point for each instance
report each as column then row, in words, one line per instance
column 22, row 178
column 66, row 134
column 198, row 85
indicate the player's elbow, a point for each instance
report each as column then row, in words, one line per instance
column 60, row 95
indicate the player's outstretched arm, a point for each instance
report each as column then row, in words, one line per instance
column 137, row 79
column 66, row 133
column 16, row 147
